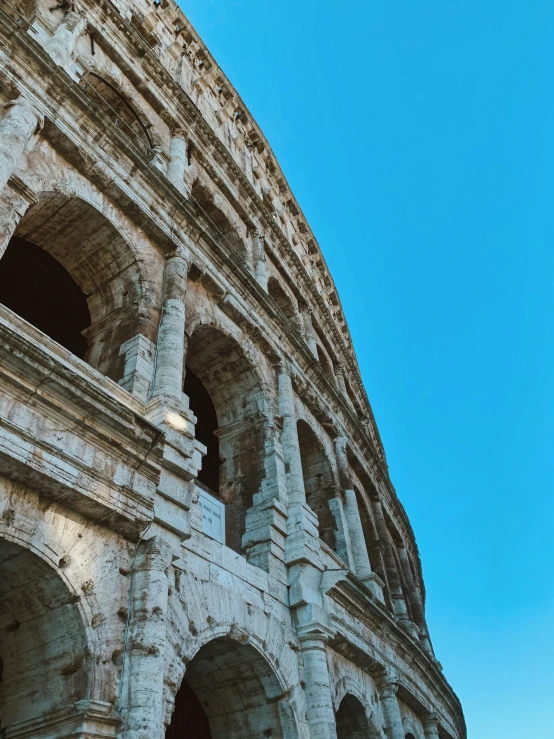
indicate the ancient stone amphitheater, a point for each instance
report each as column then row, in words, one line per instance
column 198, row 533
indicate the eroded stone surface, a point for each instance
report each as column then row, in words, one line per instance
column 217, row 361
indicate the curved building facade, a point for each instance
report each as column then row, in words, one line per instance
column 198, row 533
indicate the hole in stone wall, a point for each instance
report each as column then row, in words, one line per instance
column 206, row 426
column 36, row 287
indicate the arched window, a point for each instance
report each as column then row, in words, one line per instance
column 220, row 225
column 43, row 645
column 118, row 109
column 319, row 482
column 40, row 290
column 69, row 272
column 226, row 396
column 281, row 298
column 352, row 722
column 201, row 405
column 324, row 362
column 229, row 691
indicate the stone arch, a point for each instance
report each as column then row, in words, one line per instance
column 118, row 99
column 281, row 298
column 101, row 261
column 211, row 207
column 319, row 481
column 351, row 719
column 411, row 730
column 232, row 690
column 227, row 373
column 45, row 645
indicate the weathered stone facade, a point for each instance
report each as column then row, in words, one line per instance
column 198, row 534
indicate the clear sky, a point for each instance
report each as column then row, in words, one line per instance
column 418, row 137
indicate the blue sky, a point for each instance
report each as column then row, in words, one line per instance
column 418, row 138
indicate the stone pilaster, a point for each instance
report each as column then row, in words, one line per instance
column 431, row 726
column 61, row 45
column 387, row 689
column 178, row 160
column 393, row 578
column 341, row 383
column 170, row 355
column 15, row 200
column 259, row 259
column 416, row 601
column 142, row 694
column 16, row 129
column 291, row 446
column 362, row 566
column 321, row 716
column 309, row 331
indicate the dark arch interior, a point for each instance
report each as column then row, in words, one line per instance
column 201, row 405
column 43, row 648
column 229, row 692
column 189, row 720
column 410, row 736
column 325, row 364
column 318, row 481
column 35, row 286
column 351, row 719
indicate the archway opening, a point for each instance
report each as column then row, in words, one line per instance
column 68, row 271
column 118, row 108
column 281, row 298
column 49, row 297
column 229, row 692
column 324, row 362
column 43, row 649
column 236, row 404
column 319, row 482
column 203, row 408
column 352, row 722
column 223, row 228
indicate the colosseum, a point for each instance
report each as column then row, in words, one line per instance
column 198, row 533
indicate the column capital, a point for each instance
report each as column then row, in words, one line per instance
column 28, row 105
column 431, row 724
column 314, row 636
column 387, row 685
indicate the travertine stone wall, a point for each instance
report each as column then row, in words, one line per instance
column 131, row 170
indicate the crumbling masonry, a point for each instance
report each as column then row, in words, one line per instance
column 198, row 533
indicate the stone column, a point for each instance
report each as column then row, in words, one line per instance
column 387, row 688
column 289, row 436
column 177, row 160
column 62, row 43
column 431, row 726
column 394, row 583
column 360, row 556
column 259, row 259
column 310, row 331
column 170, row 357
column 16, row 129
column 321, row 716
column 142, row 696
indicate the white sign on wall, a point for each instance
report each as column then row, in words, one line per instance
column 213, row 516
